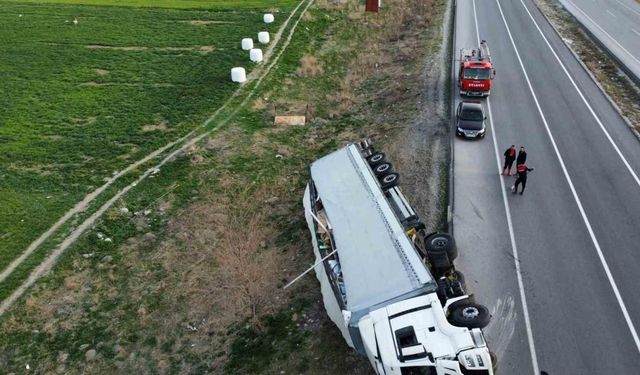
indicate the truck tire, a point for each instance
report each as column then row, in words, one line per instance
column 389, row 181
column 376, row 158
column 442, row 242
column 383, row 169
column 463, row 302
column 470, row 316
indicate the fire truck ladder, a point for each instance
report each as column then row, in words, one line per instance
column 483, row 51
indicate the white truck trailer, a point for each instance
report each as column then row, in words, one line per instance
column 391, row 290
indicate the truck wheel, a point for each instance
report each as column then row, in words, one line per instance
column 442, row 242
column 382, row 169
column 470, row 316
column 375, row 159
column 390, row 180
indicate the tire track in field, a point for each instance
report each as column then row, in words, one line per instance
column 84, row 203
column 50, row 261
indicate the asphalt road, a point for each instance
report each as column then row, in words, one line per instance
column 616, row 23
column 557, row 266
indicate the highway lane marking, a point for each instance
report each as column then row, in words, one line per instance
column 637, row 33
column 601, row 29
column 587, row 223
column 512, row 236
column 608, row 11
column 628, row 7
column 584, row 100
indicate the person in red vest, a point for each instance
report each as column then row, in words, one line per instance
column 522, row 170
column 509, row 158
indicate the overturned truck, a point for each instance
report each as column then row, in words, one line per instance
column 391, row 289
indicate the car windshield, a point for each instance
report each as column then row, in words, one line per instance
column 471, row 115
column 476, row 73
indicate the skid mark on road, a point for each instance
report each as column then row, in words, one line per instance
column 48, row 263
column 503, row 324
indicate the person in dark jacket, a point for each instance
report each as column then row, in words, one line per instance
column 522, row 170
column 522, row 156
column 509, row 158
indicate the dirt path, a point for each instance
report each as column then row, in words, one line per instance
column 190, row 139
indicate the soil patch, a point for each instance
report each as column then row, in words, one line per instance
column 160, row 126
column 115, row 48
column 310, row 66
column 204, row 22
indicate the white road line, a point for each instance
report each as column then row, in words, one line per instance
column 608, row 11
column 512, row 237
column 612, row 282
column 628, row 7
column 634, row 30
column 606, row 33
column 584, row 100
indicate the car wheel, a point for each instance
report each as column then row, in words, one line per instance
column 376, row 158
column 383, row 169
column 470, row 316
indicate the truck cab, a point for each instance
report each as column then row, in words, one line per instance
column 414, row 337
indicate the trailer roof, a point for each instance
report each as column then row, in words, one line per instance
column 377, row 259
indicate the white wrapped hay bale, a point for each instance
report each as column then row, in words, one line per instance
column 263, row 37
column 268, row 18
column 255, row 55
column 247, row 44
column 238, row 75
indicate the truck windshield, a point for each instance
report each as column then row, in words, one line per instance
column 476, row 73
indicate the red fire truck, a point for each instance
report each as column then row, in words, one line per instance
column 476, row 71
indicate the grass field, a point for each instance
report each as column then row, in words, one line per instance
column 85, row 101
column 191, row 278
column 177, row 4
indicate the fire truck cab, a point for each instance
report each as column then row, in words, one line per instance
column 476, row 71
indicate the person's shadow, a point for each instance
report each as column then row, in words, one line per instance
column 544, row 373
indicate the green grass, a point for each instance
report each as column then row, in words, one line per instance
column 77, row 113
column 177, row 4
